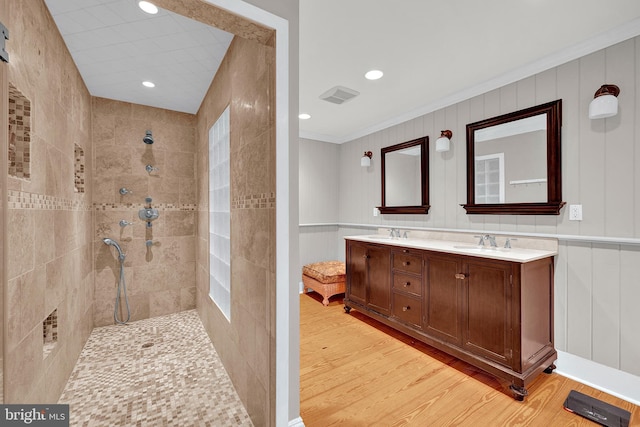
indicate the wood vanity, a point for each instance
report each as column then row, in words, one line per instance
column 491, row 309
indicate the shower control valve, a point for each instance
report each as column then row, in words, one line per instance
column 124, row 223
column 148, row 214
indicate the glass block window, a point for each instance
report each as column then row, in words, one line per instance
column 19, row 134
column 78, row 169
column 220, row 215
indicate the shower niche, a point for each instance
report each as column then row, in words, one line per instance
column 19, row 134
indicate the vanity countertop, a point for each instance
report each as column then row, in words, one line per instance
column 461, row 248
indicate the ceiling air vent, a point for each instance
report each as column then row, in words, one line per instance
column 339, row 94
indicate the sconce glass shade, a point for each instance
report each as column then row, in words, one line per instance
column 605, row 102
column 365, row 161
column 443, row 143
column 603, row 106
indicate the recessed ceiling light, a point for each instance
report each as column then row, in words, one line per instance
column 304, row 116
column 148, row 7
column 373, row 74
column 148, row 84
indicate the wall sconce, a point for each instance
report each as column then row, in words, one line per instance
column 365, row 161
column 442, row 143
column 605, row 102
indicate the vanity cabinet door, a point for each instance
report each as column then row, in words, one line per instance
column 357, row 272
column 379, row 283
column 443, row 298
column 487, row 306
column 369, row 276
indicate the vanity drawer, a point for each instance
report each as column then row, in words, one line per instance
column 407, row 262
column 407, row 309
column 406, row 283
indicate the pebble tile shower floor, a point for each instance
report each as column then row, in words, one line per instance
column 161, row 371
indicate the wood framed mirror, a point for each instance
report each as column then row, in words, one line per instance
column 513, row 163
column 405, row 177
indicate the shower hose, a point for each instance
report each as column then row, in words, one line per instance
column 122, row 288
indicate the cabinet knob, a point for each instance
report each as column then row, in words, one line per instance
column 406, row 251
column 365, row 256
column 460, row 276
column 406, row 307
column 406, row 263
column 406, row 284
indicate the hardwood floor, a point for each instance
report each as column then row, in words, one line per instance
column 355, row 371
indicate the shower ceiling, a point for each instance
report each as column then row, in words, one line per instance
column 116, row 46
column 433, row 53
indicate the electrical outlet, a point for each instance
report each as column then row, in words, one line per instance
column 375, row 211
column 575, row 212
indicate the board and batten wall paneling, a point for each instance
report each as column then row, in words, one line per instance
column 596, row 287
column 318, row 183
column 629, row 313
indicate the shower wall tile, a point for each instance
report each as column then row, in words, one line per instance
column 24, row 367
column 156, row 276
column 20, row 242
column 164, row 302
column 49, row 260
column 245, row 343
column 187, row 299
column 180, row 164
column 180, row 223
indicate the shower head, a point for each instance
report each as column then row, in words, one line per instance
column 148, row 139
column 115, row 244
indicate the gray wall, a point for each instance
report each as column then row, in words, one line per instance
column 596, row 290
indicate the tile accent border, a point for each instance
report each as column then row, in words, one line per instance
column 26, row 200
column 160, row 206
column 254, row 201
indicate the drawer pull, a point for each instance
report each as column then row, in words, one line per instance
column 460, row 276
column 406, row 284
column 406, row 263
column 365, row 256
column 406, row 307
column 406, row 251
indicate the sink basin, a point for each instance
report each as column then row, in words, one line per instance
column 470, row 247
column 378, row 237
column 481, row 248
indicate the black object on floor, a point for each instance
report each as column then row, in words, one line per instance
column 596, row 410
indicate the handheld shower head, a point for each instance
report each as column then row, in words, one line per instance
column 115, row 244
column 148, row 139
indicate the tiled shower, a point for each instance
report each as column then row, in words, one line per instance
column 65, row 173
column 160, row 277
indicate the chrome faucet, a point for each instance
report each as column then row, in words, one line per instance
column 507, row 244
column 491, row 239
column 394, row 232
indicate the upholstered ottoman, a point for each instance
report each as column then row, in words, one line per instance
column 326, row 278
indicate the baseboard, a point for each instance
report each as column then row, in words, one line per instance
column 296, row 422
column 617, row 383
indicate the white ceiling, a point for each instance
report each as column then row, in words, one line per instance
column 434, row 53
column 116, row 46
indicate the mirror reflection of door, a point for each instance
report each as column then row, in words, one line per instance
column 490, row 178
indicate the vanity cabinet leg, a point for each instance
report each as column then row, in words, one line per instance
column 519, row 393
column 347, row 309
column 550, row 369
